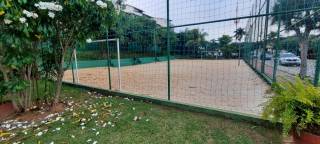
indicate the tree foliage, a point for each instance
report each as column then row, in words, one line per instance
column 239, row 33
column 296, row 105
column 61, row 25
column 301, row 22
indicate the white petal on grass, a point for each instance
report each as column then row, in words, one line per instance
column 22, row 20
column 49, row 6
column 39, row 134
column 51, row 15
column 95, row 114
column 27, row 13
column 101, row 4
column 6, row 21
column 33, row 15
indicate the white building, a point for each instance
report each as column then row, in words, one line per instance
column 138, row 12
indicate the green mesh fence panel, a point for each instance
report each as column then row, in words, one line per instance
column 214, row 53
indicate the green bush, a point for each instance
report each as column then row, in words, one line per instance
column 296, row 105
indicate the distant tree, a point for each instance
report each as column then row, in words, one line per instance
column 290, row 44
column 213, row 44
column 139, row 35
column 226, row 47
column 302, row 23
column 272, row 36
column 191, row 41
column 239, row 33
column 225, row 40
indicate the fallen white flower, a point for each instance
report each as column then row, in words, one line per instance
column 49, row 6
column 22, row 19
column 6, row 21
column 51, row 14
column 95, row 114
column 33, row 15
column 39, row 134
column 101, row 4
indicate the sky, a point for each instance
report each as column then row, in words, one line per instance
column 193, row 11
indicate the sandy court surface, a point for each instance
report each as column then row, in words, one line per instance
column 210, row 83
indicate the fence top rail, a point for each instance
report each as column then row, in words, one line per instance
column 245, row 17
column 103, row 40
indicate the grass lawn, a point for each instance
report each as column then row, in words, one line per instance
column 93, row 119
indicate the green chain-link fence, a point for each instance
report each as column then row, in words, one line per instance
column 208, row 53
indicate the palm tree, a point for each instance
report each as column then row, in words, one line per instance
column 239, row 33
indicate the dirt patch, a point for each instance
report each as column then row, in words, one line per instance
column 221, row 84
column 57, row 108
column 6, row 110
column 38, row 114
column 31, row 116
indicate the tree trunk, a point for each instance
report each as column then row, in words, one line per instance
column 59, row 78
column 304, row 46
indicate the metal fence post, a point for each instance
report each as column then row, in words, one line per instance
column 168, row 50
column 255, row 50
column 72, row 69
column 276, row 57
column 317, row 71
column 109, row 61
column 265, row 37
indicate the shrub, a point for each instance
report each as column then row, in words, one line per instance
column 296, row 105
